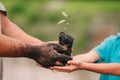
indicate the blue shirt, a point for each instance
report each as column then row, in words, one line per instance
column 109, row 52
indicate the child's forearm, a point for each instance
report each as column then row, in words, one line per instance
column 111, row 68
column 89, row 57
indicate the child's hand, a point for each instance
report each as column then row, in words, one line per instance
column 72, row 66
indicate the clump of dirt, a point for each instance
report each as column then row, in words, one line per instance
column 66, row 43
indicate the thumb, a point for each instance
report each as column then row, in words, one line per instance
column 74, row 63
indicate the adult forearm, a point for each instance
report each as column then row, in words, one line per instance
column 111, row 68
column 12, row 30
column 10, row 47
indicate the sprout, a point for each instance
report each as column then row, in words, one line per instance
column 67, row 23
column 61, row 21
column 64, row 14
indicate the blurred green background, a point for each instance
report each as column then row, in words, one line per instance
column 90, row 21
column 39, row 18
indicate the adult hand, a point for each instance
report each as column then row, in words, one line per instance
column 46, row 55
column 48, row 42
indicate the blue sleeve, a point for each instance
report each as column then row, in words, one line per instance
column 103, row 48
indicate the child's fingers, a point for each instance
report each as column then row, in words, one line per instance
column 73, row 63
column 38, row 65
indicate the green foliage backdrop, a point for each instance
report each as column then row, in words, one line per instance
column 39, row 18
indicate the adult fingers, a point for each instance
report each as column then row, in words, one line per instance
column 62, row 57
column 54, row 42
column 59, row 48
column 55, row 46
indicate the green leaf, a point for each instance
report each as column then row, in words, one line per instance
column 64, row 14
column 61, row 21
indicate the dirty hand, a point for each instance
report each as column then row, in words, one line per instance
column 47, row 56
